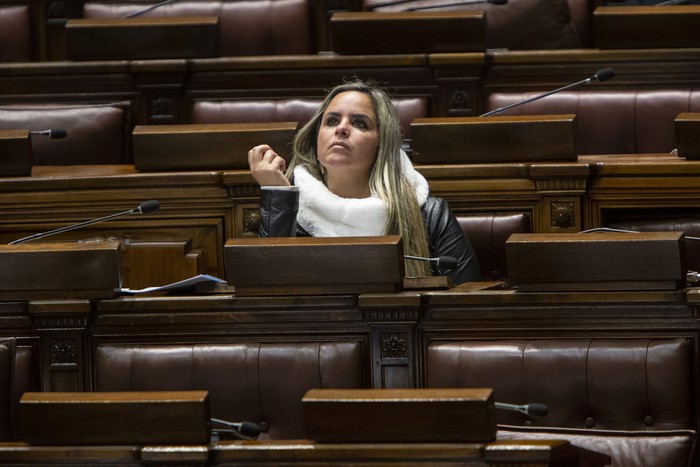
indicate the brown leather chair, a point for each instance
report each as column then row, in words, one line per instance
column 527, row 24
column 246, row 27
column 256, row 382
column 16, row 377
column 487, row 234
column 290, row 110
column 16, row 36
column 96, row 133
column 612, row 122
column 630, row 398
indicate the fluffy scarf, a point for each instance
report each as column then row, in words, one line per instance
column 324, row 214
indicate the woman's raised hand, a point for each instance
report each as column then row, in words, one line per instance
column 266, row 167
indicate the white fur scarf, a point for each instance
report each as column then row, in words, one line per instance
column 324, row 214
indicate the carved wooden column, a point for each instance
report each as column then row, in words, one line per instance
column 392, row 320
column 61, row 325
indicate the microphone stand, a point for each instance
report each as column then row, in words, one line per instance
column 144, row 207
column 515, row 104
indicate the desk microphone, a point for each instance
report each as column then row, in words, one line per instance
column 144, row 208
column 602, row 75
column 53, row 133
column 446, row 5
column 142, row 11
column 467, row 2
column 447, row 262
column 534, row 409
column 243, row 429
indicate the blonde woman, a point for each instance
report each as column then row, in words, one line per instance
column 349, row 177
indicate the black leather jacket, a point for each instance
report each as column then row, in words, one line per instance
column 278, row 214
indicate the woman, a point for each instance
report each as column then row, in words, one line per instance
column 351, row 178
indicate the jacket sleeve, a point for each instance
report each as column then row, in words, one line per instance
column 278, row 212
column 447, row 239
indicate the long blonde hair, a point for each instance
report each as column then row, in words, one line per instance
column 387, row 180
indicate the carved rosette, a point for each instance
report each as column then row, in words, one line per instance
column 394, row 345
column 251, row 222
column 459, row 101
column 63, row 352
column 563, row 214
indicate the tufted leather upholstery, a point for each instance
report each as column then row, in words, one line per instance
column 595, row 388
column 257, row 382
column 289, row 110
column 487, row 234
column 523, row 24
column 246, row 27
column 16, row 37
column 612, row 122
column 97, row 133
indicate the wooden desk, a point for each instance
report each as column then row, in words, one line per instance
column 505, row 453
column 273, row 453
column 652, row 183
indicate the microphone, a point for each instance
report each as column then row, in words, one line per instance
column 244, row 430
column 445, row 5
column 534, row 409
column 53, row 133
column 602, row 75
column 136, row 13
column 447, row 262
column 427, row 7
column 144, row 208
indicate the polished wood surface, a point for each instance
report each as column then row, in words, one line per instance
column 275, row 453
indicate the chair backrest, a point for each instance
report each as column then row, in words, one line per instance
column 257, row 382
column 612, row 122
column 615, row 396
column 16, row 377
column 96, row 133
column 290, row 110
column 521, row 24
column 246, row 27
column 16, row 36
column 487, row 234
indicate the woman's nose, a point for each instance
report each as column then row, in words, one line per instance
column 343, row 128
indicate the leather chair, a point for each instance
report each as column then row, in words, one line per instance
column 16, row 37
column 290, row 110
column 527, row 24
column 487, row 234
column 246, row 27
column 612, row 122
column 630, row 398
column 96, row 133
column 257, row 382
column 16, row 377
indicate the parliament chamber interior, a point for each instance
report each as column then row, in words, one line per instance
column 564, row 134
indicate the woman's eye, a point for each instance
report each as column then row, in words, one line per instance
column 331, row 121
column 360, row 124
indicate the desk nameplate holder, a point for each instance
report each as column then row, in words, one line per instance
column 314, row 265
column 487, row 140
column 115, row 418
column 400, row 415
column 142, row 38
column 15, row 152
column 60, row 270
column 408, row 32
column 207, row 146
column 597, row 261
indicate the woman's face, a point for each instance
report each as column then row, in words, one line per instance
column 348, row 136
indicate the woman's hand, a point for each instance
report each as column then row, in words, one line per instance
column 266, row 167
